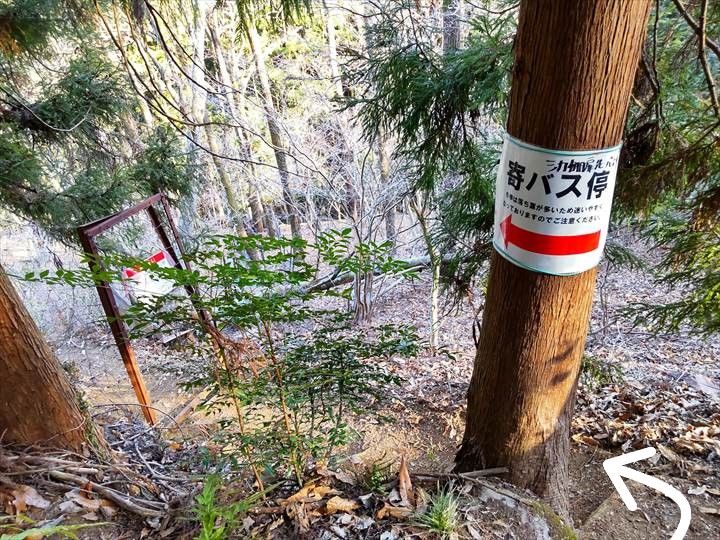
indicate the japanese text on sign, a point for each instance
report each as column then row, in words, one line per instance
column 552, row 208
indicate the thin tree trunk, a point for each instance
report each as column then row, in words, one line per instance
column 256, row 210
column 348, row 155
column 198, row 101
column 237, row 207
column 241, row 137
column 452, row 25
column 332, row 49
column 421, row 213
column 390, row 213
column 273, row 126
column 37, row 403
column 271, row 222
column 573, row 74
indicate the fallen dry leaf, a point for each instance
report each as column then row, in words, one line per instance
column 338, row 504
column 405, row 489
column 107, row 508
column 25, row 496
column 310, row 492
column 79, row 498
column 390, row 511
column 709, row 510
column 668, row 454
column 69, row 507
column 474, row 534
column 342, row 476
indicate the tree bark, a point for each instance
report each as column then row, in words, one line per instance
column 273, row 126
column 241, row 138
column 573, row 74
column 37, row 403
column 452, row 25
column 390, row 213
column 237, row 206
column 422, row 214
column 332, row 49
column 197, row 104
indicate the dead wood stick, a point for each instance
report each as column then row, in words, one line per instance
column 78, row 470
column 267, row 510
column 188, row 408
column 115, row 496
column 42, row 460
column 467, row 476
column 342, row 278
column 152, row 471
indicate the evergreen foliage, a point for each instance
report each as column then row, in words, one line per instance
column 65, row 115
column 277, row 12
column 669, row 185
column 445, row 109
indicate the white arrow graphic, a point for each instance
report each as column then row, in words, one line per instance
column 616, row 470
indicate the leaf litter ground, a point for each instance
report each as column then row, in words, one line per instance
column 668, row 396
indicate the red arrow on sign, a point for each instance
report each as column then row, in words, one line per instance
column 548, row 244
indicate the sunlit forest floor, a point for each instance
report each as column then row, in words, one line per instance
column 637, row 390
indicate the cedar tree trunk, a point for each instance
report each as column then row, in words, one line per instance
column 573, row 74
column 37, row 403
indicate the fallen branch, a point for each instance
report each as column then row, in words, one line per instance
column 472, row 475
column 118, row 498
column 343, row 278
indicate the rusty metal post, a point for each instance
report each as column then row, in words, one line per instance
column 118, row 329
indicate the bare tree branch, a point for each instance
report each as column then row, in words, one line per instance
column 712, row 45
column 703, row 58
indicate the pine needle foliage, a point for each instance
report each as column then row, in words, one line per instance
column 28, row 26
column 65, row 112
column 669, row 185
column 444, row 109
column 273, row 13
column 690, row 265
column 435, row 104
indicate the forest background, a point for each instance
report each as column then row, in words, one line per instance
column 370, row 130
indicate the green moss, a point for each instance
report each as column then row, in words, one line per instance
column 558, row 528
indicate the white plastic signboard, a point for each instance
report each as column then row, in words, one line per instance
column 142, row 285
column 552, row 207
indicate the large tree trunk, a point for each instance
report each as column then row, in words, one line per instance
column 37, row 403
column 573, row 74
column 273, row 125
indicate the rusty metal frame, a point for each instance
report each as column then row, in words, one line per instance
column 87, row 234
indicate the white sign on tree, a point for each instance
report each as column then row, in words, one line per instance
column 552, row 207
